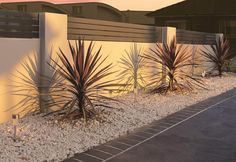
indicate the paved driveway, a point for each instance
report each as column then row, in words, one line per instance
column 204, row 132
column 207, row 137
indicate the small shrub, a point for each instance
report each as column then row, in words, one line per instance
column 131, row 69
column 34, row 96
column 85, row 79
column 219, row 55
column 168, row 64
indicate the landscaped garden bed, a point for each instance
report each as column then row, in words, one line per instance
column 47, row 139
column 72, row 108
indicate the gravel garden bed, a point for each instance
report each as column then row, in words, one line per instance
column 44, row 139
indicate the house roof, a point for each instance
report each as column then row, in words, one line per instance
column 197, row 7
column 52, row 5
column 138, row 16
column 93, row 3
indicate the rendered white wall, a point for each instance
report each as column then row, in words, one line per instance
column 13, row 51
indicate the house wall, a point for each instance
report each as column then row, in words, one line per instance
column 138, row 17
column 211, row 24
column 85, row 10
column 190, row 23
column 90, row 10
column 98, row 11
column 105, row 13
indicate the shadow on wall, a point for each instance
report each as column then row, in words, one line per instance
column 13, row 51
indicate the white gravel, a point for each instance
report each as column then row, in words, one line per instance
column 46, row 140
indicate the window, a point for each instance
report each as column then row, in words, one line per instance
column 22, row 8
column 228, row 28
column 179, row 24
column 76, row 10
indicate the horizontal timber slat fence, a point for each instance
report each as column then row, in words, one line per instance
column 193, row 37
column 27, row 25
column 19, row 25
column 112, row 31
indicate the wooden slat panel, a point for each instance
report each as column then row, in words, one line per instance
column 109, row 33
column 193, row 37
column 21, row 18
column 194, row 41
column 112, row 28
column 20, row 21
column 108, row 23
column 20, row 28
column 19, row 25
column 18, row 34
column 109, row 38
column 16, row 14
column 112, row 31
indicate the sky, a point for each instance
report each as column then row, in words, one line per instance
column 120, row 4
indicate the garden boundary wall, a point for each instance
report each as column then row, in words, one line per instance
column 24, row 35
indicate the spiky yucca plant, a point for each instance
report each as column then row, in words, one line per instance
column 219, row 54
column 168, row 64
column 27, row 84
column 85, row 78
column 131, row 69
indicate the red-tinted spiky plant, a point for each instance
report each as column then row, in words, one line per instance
column 218, row 55
column 168, row 64
column 85, row 79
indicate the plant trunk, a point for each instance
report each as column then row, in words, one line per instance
column 171, row 80
column 135, row 86
column 220, row 71
column 82, row 108
column 171, row 84
column 164, row 74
